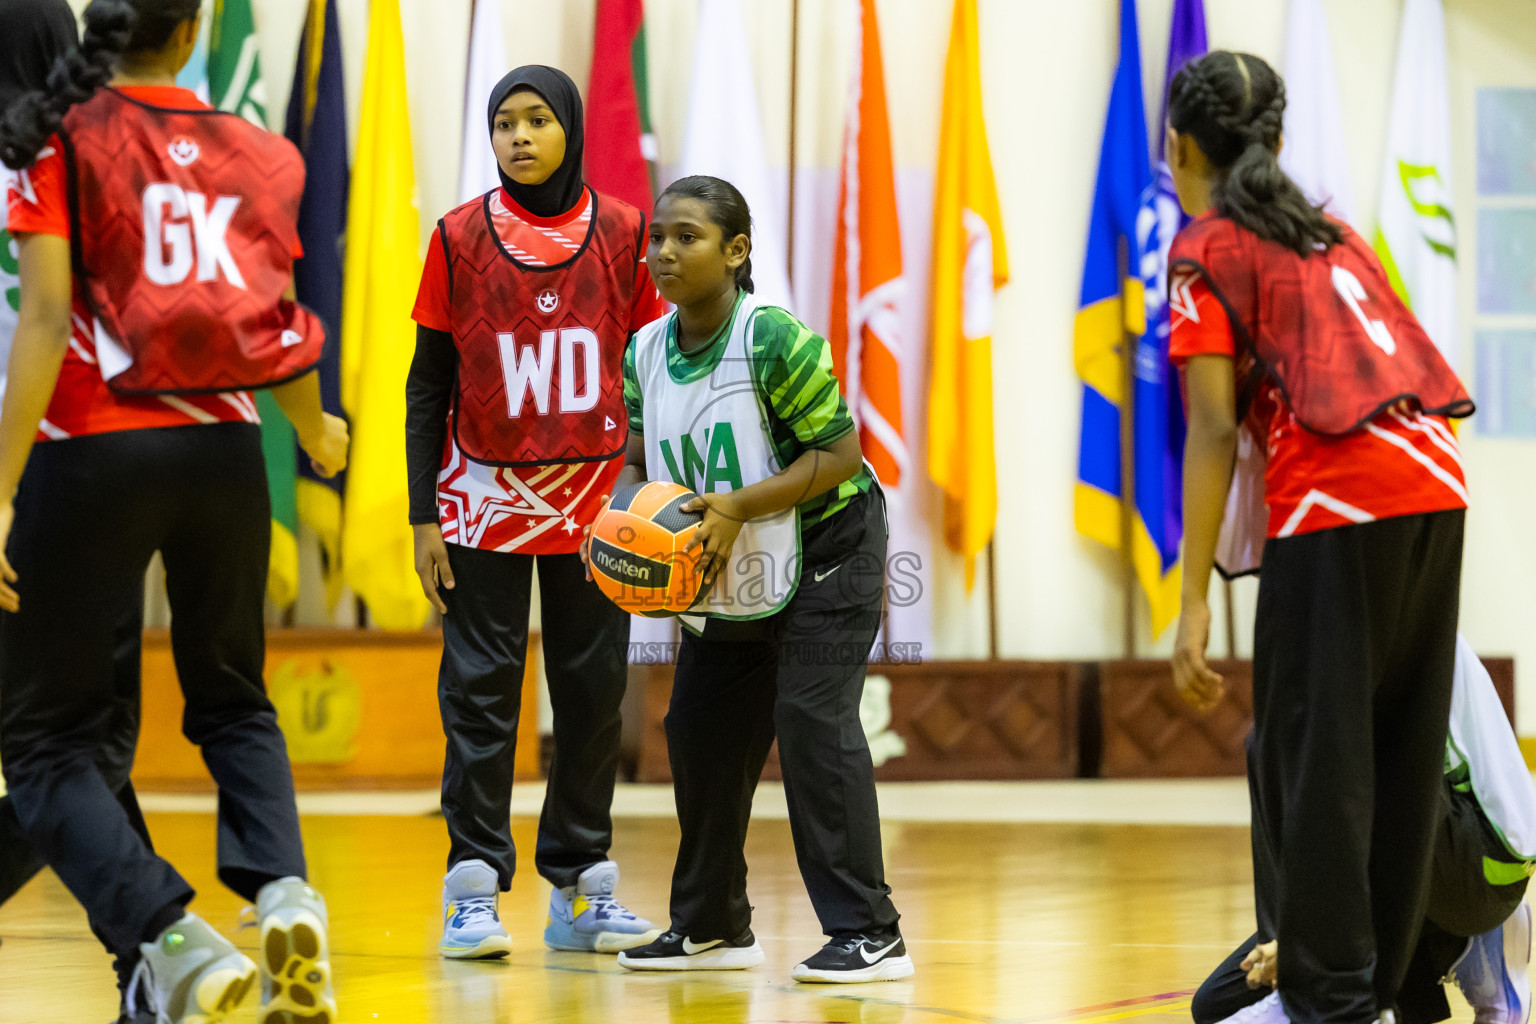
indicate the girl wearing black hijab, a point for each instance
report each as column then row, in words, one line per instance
column 515, row 431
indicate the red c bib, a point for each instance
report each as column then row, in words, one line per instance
column 1328, row 329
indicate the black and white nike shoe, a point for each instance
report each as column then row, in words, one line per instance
column 672, row 951
column 857, row 958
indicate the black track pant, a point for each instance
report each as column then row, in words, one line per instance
column 1354, row 652
column 479, row 691
column 90, row 513
column 799, row 675
column 1462, row 904
column 19, row 862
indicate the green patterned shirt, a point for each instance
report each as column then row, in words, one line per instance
column 792, row 370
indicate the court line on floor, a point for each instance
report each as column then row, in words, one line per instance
column 1124, row 1009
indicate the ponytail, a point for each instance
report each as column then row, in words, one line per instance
column 112, row 28
column 727, row 208
column 1233, row 106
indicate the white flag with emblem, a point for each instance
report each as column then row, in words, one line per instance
column 1416, row 230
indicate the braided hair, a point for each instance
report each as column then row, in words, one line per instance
column 112, row 28
column 1233, row 105
column 727, row 208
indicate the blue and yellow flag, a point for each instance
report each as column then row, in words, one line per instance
column 317, row 124
column 1111, row 314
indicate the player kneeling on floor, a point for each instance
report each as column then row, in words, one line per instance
column 1477, row 930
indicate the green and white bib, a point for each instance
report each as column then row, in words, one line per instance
column 710, row 434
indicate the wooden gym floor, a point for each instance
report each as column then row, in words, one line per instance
column 1007, row 921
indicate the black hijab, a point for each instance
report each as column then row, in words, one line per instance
column 563, row 189
column 35, row 34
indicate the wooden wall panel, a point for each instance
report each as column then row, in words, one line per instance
column 358, row 708
column 957, row 720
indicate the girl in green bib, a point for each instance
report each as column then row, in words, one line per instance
column 737, row 401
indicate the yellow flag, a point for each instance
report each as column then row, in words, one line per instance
column 970, row 261
column 383, row 268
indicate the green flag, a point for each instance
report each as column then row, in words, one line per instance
column 235, row 85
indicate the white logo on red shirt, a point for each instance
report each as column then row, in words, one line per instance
column 183, row 151
column 1180, row 301
column 291, row 338
column 548, row 300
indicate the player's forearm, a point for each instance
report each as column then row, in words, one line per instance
column 815, row 472
column 1210, row 450
column 37, row 351
column 300, row 401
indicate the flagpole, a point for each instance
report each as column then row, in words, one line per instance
column 992, row 600
column 1127, row 471
column 794, row 109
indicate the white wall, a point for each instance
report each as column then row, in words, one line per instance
column 1047, row 70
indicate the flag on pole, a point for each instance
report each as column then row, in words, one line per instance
column 487, row 65
column 864, row 332
column 382, row 270
column 724, row 138
column 970, row 261
column 1315, row 154
column 1112, row 313
column 621, row 150
column 1157, row 410
column 228, row 75
column 1416, row 231
column 317, row 124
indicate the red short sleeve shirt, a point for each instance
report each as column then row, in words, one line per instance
column 1401, row 463
column 538, row 509
column 37, row 203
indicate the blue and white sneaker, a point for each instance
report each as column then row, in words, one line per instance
column 585, row 918
column 471, row 926
column 1494, row 974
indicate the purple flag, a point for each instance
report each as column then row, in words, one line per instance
column 1186, row 42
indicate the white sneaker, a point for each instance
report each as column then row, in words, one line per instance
column 1494, row 974
column 295, row 955
column 1268, row 1010
column 190, row 974
column 471, row 925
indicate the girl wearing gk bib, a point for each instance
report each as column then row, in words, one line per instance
column 514, row 431
column 33, row 34
column 737, row 401
column 1286, row 327
column 156, row 239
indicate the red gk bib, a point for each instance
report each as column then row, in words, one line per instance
column 184, row 224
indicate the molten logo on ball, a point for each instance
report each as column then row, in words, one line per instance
column 637, row 552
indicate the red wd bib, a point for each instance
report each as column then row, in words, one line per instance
column 541, row 349
column 184, row 224
column 1328, row 329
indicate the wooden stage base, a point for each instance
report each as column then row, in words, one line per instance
column 1079, row 924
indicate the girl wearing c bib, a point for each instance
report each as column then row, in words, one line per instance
column 736, row 401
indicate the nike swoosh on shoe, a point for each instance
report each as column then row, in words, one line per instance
column 879, row 953
column 690, row 947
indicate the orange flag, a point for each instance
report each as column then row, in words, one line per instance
column 866, row 266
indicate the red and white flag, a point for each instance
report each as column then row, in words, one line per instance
column 867, row 282
column 620, row 146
